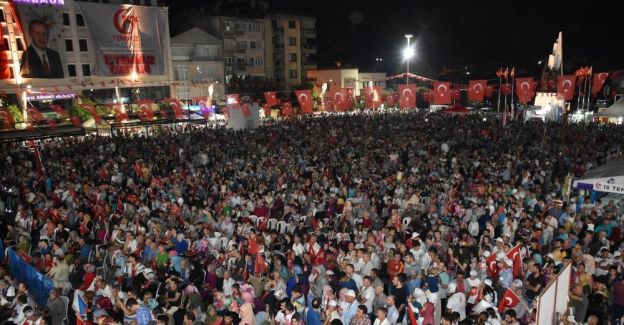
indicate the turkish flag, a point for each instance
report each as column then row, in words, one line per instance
column 202, row 102
column 492, row 267
column 76, row 121
column 350, row 93
column 477, row 90
column 373, row 97
column 246, row 110
column 340, row 99
column 456, row 94
column 121, row 117
column 93, row 111
column 489, row 91
column 328, row 102
column 58, row 110
column 7, row 118
column 509, row 301
column 524, row 89
column 233, row 100
column 407, row 95
column 145, row 106
column 287, row 109
column 34, row 115
column 565, row 86
column 391, row 99
column 599, row 81
column 441, row 93
column 271, row 98
column 515, row 255
column 52, row 124
column 304, row 97
column 505, row 89
column 176, row 106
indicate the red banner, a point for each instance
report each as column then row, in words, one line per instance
column 477, row 90
column 441, row 93
column 145, row 106
column 565, row 86
column 515, row 256
column 407, row 95
column 271, row 98
column 202, row 101
column 7, row 118
column 287, row 110
column 34, row 115
column 340, row 99
column 304, row 97
column 508, row 301
column 524, row 89
column 373, row 97
column 76, row 121
column 58, row 110
column 598, row 82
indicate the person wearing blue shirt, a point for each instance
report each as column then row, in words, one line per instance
column 506, row 275
column 313, row 317
column 347, row 282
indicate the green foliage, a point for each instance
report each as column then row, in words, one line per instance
column 80, row 112
column 16, row 112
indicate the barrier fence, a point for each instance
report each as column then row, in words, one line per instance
column 38, row 284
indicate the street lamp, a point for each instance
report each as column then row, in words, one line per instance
column 408, row 53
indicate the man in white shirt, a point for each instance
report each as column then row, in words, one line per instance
column 392, row 312
column 367, row 293
column 367, row 265
column 381, row 316
column 228, row 282
column 354, row 276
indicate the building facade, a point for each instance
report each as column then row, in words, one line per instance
column 347, row 78
column 291, row 49
column 197, row 60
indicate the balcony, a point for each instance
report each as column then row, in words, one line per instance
column 308, row 32
column 241, row 50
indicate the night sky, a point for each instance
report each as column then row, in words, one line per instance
column 451, row 32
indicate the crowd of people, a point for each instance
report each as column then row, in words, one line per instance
column 393, row 218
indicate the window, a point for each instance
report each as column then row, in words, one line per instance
column 183, row 92
column 258, row 62
column 292, row 41
column 20, row 44
column 86, row 70
column 82, row 43
column 66, row 19
column 7, row 45
column 252, row 44
column 79, row 20
column 69, row 45
column 292, row 24
column 293, row 74
column 181, row 72
column 71, row 70
column 1, row 15
column 229, row 61
column 293, row 57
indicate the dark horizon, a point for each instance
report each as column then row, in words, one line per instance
column 448, row 33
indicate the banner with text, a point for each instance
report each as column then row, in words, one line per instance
column 126, row 38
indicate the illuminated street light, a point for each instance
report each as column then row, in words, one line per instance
column 408, row 53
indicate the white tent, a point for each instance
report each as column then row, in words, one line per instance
column 606, row 178
column 614, row 111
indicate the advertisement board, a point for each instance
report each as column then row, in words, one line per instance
column 122, row 39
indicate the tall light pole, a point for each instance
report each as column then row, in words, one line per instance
column 408, row 53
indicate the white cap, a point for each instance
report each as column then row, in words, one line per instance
column 488, row 282
column 414, row 235
column 350, row 293
column 452, row 287
column 590, row 227
column 486, row 254
column 508, row 262
column 473, row 273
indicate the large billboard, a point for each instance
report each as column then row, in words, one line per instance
column 123, row 39
column 126, row 38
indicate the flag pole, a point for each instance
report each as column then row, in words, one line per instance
column 500, row 83
column 561, row 50
column 584, row 89
column 511, row 108
column 578, row 99
column 589, row 86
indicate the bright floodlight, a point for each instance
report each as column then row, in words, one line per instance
column 408, row 53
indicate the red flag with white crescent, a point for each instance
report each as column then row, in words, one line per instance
column 477, row 90
column 92, row 111
column 599, row 81
column 287, row 110
column 271, row 98
column 145, row 106
column 441, row 93
column 52, row 123
column 340, row 99
column 7, row 118
column 489, row 91
column 34, row 115
column 492, row 266
column 373, row 97
column 176, row 106
column 565, row 86
column 58, row 110
column 510, row 300
column 456, row 94
column 304, row 97
column 391, row 99
column 515, row 256
column 524, row 89
column 407, row 95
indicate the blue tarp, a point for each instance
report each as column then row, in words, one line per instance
column 38, row 284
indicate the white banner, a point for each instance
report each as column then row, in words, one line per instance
column 609, row 188
column 127, row 39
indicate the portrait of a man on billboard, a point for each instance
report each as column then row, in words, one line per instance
column 40, row 61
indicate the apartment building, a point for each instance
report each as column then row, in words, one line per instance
column 197, row 60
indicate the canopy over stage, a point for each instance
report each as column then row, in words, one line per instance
column 606, row 178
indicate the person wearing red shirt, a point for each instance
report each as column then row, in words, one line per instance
column 395, row 266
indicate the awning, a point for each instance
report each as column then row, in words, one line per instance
column 606, row 178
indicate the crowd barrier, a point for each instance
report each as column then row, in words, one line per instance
column 38, row 284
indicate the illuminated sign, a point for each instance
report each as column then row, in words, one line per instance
column 49, row 96
column 42, row 2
